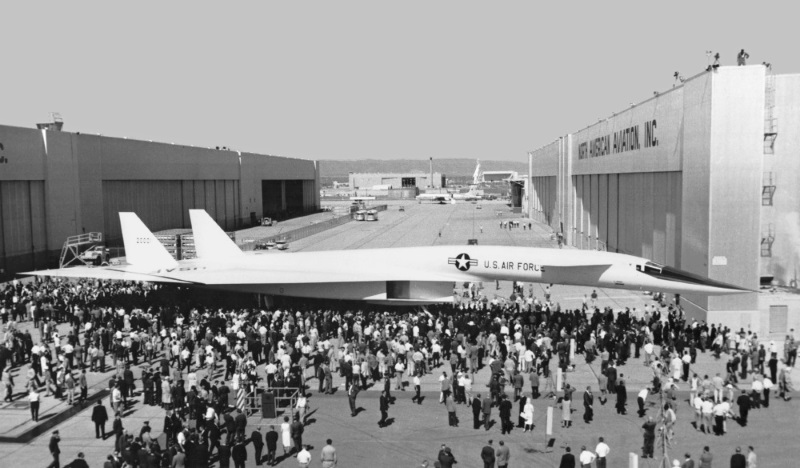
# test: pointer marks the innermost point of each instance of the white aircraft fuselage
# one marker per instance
(427, 274)
(409, 275)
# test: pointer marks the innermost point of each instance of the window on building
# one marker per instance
(409, 181)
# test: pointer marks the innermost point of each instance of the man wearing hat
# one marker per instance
(738, 459)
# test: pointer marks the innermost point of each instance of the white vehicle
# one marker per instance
(96, 255)
(281, 244)
(404, 276)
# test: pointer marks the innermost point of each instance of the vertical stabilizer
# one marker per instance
(210, 241)
(142, 249)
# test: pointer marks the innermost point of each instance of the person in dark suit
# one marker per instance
(567, 460)
(744, 407)
(54, 450)
(505, 415)
(214, 435)
(99, 417)
(239, 453)
(224, 453)
(738, 459)
(118, 432)
(622, 396)
(80, 462)
(588, 405)
(258, 444)
(384, 408)
(296, 431)
(230, 427)
(241, 423)
(487, 455)
(486, 406)
(477, 405)
(272, 444)
(201, 456)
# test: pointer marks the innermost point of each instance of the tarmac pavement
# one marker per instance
(417, 431)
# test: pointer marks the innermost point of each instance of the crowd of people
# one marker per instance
(175, 341)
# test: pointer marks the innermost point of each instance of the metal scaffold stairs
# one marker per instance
(75, 246)
(770, 121)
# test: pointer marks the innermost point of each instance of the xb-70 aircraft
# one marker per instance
(410, 275)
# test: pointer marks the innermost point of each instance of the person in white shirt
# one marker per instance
(602, 450)
(642, 399)
(721, 411)
(304, 457)
(648, 353)
(767, 387)
(708, 411)
(586, 457)
(417, 397)
(697, 404)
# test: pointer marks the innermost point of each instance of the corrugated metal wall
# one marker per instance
(634, 213)
(165, 204)
(23, 241)
(544, 200)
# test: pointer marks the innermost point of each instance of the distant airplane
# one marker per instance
(442, 198)
(469, 196)
(362, 199)
(410, 275)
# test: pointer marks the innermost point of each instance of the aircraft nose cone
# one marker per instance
(674, 274)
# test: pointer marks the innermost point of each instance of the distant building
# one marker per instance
(396, 181)
(498, 176)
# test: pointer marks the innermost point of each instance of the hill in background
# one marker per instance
(339, 169)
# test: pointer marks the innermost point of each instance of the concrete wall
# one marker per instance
(737, 128)
(57, 184)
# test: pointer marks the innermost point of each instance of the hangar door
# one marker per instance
(287, 198)
(294, 197)
(272, 198)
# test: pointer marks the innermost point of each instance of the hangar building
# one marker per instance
(415, 179)
(701, 177)
(57, 184)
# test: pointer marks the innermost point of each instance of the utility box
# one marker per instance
(268, 405)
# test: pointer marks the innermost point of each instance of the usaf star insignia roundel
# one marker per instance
(462, 262)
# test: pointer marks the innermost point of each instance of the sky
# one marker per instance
(364, 79)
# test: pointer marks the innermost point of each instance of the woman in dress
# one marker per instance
(527, 415)
(286, 436)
